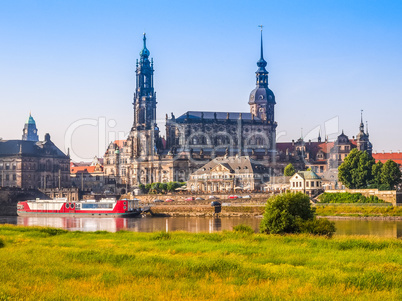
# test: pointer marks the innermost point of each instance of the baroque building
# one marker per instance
(192, 139)
(323, 157)
(29, 163)
(226, 174)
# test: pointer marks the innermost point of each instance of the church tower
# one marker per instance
(144, 133)
(262, 99)
(362, 138)
(30, 132)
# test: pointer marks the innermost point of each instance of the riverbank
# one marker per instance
(256, 209)
(185, 266)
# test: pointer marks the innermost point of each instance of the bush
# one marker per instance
(284, 213)
(162, 235)
(320, 226)
(346, 197)
(1, 243)
(243, 229)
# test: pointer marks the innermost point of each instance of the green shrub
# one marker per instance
(53, 231)
(284, 212)
(1, 243)
(320, 226)
(243, 229)
(346, 197)
(162, 235)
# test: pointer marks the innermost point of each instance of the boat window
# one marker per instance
(96, 205)
(67, 206)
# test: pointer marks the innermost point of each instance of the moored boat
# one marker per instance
(62, 207)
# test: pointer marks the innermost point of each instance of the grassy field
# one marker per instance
(342, 210)
(50, 264)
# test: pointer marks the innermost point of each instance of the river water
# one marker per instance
(383, 228)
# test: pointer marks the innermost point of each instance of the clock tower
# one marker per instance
(30, 132)
(262, 99)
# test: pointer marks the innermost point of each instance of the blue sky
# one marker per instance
(71, 61)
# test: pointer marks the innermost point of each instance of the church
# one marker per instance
(195, 137)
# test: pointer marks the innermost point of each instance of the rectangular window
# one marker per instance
(318, 184)
(14, 177)
(312, 183)
(307, 184)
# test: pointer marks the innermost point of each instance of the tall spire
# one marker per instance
(144, 52)
(361, 122)
(261, 62)
(262, 73)
(262, 51)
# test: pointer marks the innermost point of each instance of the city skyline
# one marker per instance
(67, 65)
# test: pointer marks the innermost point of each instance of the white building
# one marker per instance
(307, 182)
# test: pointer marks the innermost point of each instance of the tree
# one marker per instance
(390, 174)
(285, 212)
(376, 173)
(289, 170)
(356, 169)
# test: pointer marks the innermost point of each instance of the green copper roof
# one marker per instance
(308, 175)
(30, 119)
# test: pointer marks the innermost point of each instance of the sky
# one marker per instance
(72, 65)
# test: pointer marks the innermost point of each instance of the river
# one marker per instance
(383, 228)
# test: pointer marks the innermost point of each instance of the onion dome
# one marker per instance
(145, 52)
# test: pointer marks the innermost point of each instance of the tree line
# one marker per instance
(359, 170)
(157, 187)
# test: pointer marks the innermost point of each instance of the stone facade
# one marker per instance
(229, 174)
(31, 164)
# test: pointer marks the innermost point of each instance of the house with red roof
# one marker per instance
(88, 176)
(384, 157)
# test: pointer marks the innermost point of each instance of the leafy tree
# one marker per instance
(390, 174)
(289, 170)
(376, 173)
(142, 188)
(148, 187)
(285, 212)
(171, 186)
(356, 169)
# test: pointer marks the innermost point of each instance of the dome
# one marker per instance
(144, 52)
(262, 95)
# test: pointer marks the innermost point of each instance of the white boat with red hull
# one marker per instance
(93, 208)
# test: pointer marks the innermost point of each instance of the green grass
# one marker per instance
(339, 210)
(50, 264)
